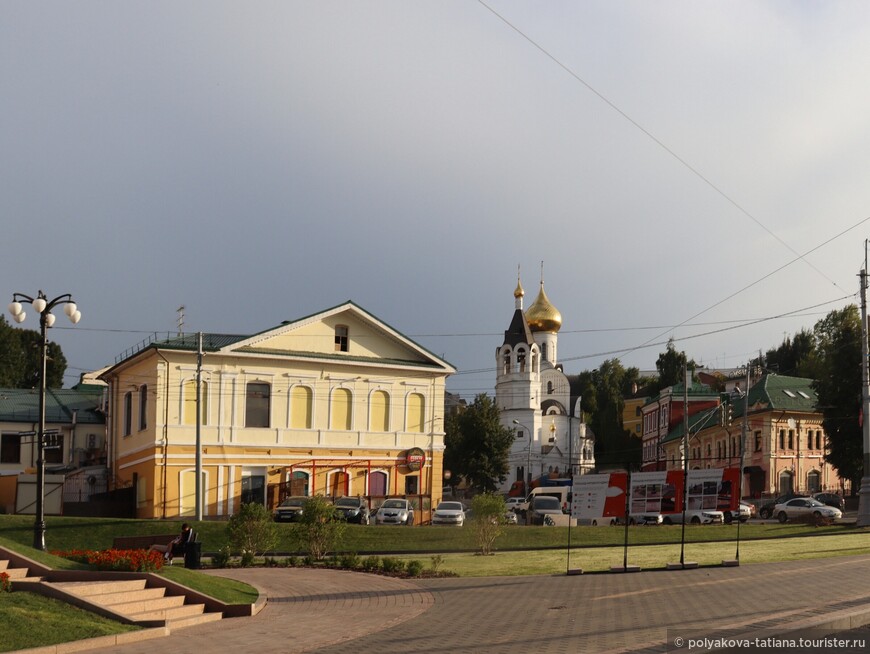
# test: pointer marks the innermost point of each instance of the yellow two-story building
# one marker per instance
(336, 403)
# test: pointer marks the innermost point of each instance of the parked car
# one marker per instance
(542, 506)
(743, 513)
(449, 513)
(516, 504)
(599, 521)
(831, 499)
(643, 519)
(766, 509)
(352, 509)
(696, 517)
(804, 507)
(289, 510)
(395, 512)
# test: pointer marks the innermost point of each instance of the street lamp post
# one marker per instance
(43, 307)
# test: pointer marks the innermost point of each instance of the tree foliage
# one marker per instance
(20, 359)
(487, 516)
(796, 356)
(318, 531)
(670, 366)
(604, 391)
(838, 386)
(252, 530)
(477, 445)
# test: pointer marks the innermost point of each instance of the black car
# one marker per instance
(290, 510)
(352, 509)
(766, 510)
(831, 499)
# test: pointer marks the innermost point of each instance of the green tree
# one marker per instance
(318, 532)
(20, 359)
(252, 530)
(477, 445)
(796, 356)
(604, 392)
(838, 386)
(487, 516)
(670, 366)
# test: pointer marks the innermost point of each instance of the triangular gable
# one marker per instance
(370, 340)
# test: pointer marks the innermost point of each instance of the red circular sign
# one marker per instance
(415, 458)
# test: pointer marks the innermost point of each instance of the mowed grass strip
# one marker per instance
(650, 557)
(31, 620)
(97, 533)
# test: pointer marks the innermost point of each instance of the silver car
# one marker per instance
(449, 513)
(803, 507)
(395, 512)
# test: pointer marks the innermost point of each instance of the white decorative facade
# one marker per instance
(538, 401)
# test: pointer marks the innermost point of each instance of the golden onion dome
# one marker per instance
(542, 316)
(519, 292)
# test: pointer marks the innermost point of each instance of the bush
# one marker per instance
(247, 559)
(436, 560)
(488, 519)
(318, 533)
(392, 565)
(221, 558)
(350, 561)
(292, 561)
(5, 583)
(252, 530)
(371, 563)
(414, 568)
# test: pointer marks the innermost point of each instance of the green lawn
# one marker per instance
(97, 533)
(650, 557)
(57, 622)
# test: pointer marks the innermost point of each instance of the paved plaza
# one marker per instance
(330, 611)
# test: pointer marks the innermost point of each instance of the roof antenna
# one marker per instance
(542, 274)
(180, 311)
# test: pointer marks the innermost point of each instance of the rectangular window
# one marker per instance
(54, 448)
(758, 441)
(782, 439)
(412, 484)
(143, 407)
(341, 340)
(257, 405)
(791, 439)
(10, 448)
(128, 413)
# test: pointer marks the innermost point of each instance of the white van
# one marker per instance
(563, 493)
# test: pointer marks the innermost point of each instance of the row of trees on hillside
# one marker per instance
(20, 360)
(477, 445)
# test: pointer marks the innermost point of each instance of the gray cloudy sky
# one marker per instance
(261, 161)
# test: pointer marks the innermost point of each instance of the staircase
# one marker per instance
(16, 574)
(141, 605)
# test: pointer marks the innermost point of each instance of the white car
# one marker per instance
(743, 512)
(803, 507)
(395, 512)
(516, 504)
(642, 519)
(696, 517)
(449, 513)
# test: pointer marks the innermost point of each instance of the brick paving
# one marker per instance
(328, 611)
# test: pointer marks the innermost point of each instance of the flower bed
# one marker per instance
(119, 560)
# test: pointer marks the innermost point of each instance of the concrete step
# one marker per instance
(4, 563)
(123, 596)
(194, 620)
(87, 588)
(143, 605)
(16, 573)
(173, 613)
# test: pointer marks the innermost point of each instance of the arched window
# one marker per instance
(506, 363)
(416, 409)
(378, 484)
(521, 360)
(300, 407)
(814, 481)
(143, 407)
(257, 404)
(299, 483)
(188, 394)
(785, 485)
(340, 411)
(338, 484)
(549, 388)
(380, 411)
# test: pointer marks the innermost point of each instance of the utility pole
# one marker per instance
(864, 494)
(199, 427)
